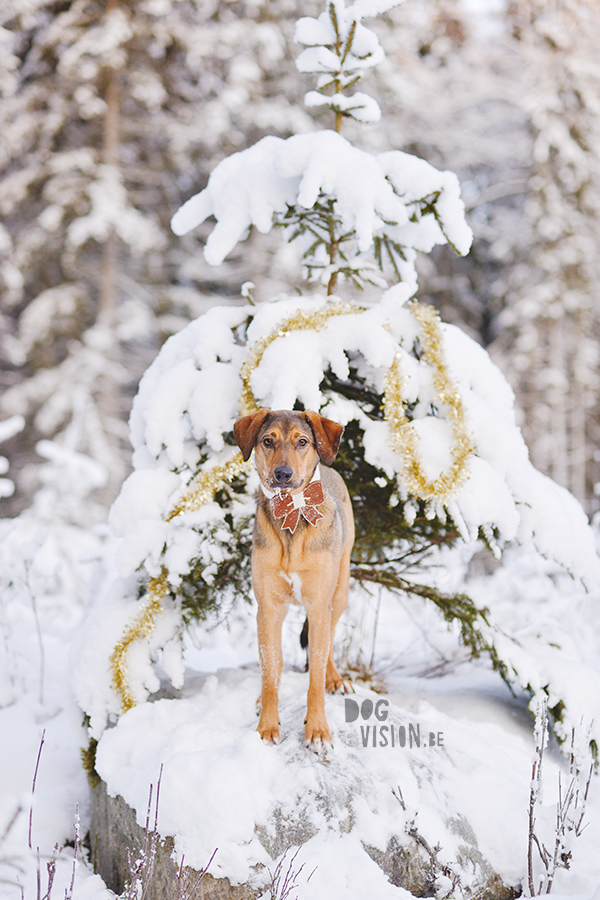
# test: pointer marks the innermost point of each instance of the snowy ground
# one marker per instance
(482, 772)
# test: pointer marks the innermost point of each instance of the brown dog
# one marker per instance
(303, 535)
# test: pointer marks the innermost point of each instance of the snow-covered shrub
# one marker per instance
(433, 452)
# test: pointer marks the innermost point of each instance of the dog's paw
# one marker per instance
(269, 733)
(318, 738)
(339, 685)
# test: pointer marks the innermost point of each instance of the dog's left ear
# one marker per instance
(328, 435)
(246, 429)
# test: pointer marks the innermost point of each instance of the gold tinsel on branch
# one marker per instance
(201, 490)
(206, 484)
(141, 627)
(302, 320)
(404, 438)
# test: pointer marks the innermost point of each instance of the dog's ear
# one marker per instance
(327, 434)
(246, 429)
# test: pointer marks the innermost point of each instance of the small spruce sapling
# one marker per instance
(375, 365)
(363, 236)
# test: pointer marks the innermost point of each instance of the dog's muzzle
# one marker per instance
(282, 475)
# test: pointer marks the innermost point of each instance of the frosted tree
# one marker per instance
(553, 332)
(64, 205)
(432, 453)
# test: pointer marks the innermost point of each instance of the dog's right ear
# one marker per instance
(246, 429)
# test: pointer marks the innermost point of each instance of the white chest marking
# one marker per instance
(295, 582)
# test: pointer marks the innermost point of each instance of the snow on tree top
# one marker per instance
(321, 32)
(340, 49)
(375, 195)
(362, 107)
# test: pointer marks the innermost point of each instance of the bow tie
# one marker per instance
(290, 506)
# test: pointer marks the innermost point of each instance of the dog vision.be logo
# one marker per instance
(388, 735)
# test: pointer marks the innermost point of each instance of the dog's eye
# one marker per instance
(268, 442)
(302, 442)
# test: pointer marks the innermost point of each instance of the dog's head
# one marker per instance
(287, 445)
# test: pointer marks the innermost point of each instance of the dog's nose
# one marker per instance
(283, 474)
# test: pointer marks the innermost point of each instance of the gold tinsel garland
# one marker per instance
(301, 320)
(141, 627)
(404, 440)
(403, 436)
(206, 484)
(202, 489)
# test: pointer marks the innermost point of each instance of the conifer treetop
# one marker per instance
(340, 48)
(356, 215)
(393, 197)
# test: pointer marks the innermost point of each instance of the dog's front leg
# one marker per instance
(317, 731)
(272, 608)
(318, 585)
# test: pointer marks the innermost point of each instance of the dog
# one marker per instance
(303, 537)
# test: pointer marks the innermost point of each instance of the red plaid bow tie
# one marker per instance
(283, 504)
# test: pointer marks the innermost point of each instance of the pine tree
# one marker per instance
(432, 451)
(334, 252)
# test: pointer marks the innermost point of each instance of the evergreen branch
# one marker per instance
(390, 247)
(335, 83)
(457, 607)
(351, 34)
(428, 207)
(377, 252)
(336, 28)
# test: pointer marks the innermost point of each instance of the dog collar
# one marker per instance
(289, 507)
(270, 494)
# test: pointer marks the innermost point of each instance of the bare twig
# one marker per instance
(570, 811)
(397, 792)
(541, 728)
(141, 868)
(436, 867)
(51, 869)
(186, 890)
(282, 884)
(35, 774)
(76, 846)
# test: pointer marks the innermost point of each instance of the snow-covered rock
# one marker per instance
(399, 781)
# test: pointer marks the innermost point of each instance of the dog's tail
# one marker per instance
(304, 635)
(304, 641)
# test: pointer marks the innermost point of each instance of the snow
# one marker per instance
(213, 760)
(8, 429)
(363, 107)
(256, 185)
(340, 49)
(47, 569)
